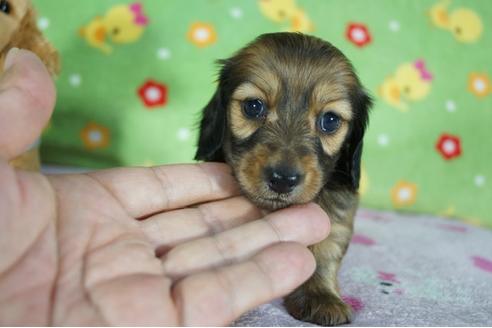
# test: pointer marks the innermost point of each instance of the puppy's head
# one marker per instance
(288, 115)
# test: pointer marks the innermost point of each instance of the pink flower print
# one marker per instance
(362, 240)
(453, 227)
(482, 263)
(386, 276)
(354, 302)
(388, 283)
(399, 291)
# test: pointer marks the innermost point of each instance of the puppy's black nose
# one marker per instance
(282, 179)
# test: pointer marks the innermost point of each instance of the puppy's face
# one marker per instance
(288, 116)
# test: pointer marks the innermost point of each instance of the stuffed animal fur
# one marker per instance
(18, 29)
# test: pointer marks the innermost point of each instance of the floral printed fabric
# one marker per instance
(407, 270)
(136, 75)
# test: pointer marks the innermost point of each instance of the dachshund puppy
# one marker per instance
(288, 116)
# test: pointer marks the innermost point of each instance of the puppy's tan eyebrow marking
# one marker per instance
(323, 102)
(248, 90)
(266, 81)
(341, 107)
(242, 127)
(332, 143)
(328, 92)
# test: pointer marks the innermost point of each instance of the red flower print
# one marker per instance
(449, 146)
(358, 34)
(153, 94)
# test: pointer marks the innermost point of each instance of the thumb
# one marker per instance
(27, 99)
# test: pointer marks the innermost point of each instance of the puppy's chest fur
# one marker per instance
(340, 205)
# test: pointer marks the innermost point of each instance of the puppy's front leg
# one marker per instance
(318, 300)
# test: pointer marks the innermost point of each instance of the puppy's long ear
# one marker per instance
(361, 103)
(212, 130)
(355, 165)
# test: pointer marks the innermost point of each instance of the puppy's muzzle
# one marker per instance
(282, 179)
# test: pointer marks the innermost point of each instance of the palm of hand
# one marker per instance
(110, 273)
(89, 258)
(96, 262)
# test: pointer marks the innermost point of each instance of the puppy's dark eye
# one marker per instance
(253, 108)
(329, 122)
(4, 6)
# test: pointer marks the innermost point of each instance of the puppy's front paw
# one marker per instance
(323, 310)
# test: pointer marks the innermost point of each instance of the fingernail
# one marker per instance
(9, 60)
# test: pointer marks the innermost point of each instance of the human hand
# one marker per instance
(171, 245)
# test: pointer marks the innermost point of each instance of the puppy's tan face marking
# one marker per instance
(289, 111)
(329, 94)
(296, 94)
(251, 176)
(332, 142)
(276, 151)
(241, 126)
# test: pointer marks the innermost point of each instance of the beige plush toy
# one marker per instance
(18, 29)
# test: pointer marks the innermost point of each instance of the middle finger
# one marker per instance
(306, 224)
(166, 230)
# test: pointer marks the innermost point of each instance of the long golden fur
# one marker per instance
(19, 26)
(288, 116)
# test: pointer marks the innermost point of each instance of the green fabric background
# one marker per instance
(400, 146)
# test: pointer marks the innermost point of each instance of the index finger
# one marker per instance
(145, 191)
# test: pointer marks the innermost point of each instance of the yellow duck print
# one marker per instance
(410, 83)
(121, 24)
(465, 24)
(281, 11)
